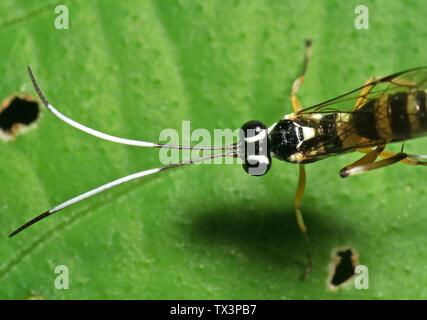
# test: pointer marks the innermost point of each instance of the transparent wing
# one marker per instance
(334, 110)
(332, 145)
(350, 101)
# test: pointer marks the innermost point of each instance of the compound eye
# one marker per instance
(253, 126)
(253, 148)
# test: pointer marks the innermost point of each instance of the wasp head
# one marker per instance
(253, 148)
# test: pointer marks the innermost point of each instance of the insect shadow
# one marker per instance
(267, 235)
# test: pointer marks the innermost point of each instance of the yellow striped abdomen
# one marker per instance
(394, 117)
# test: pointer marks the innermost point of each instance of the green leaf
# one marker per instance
(134, 68)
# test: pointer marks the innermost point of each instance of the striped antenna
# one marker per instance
(104, 136)
(112, 184)
(232, 152)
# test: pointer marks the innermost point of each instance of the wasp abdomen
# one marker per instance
(408, 116)
(393, 117)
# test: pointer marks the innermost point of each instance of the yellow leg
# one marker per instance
(361, 100)
(298, 82)
(372, 165)
(411, 160)
(404, 83)
(302, 178)
(369, 157)
(300, 220)
(370, 83)
(367, 162)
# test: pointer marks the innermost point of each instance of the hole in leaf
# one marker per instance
(17, 112)
(343, 265)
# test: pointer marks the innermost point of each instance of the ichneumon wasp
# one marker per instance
(384, 110)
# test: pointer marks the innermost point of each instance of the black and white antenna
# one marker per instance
(229, 151)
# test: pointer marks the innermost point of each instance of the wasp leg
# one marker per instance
(404, 83)
(302, 178)
(412, 159)
(369, 157)
(417, 158)
(298, 82)
(368, 85)
(300, 220)
(371, 82)
(353, 170)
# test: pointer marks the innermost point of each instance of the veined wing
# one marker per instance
(346, 121)
(401, 81)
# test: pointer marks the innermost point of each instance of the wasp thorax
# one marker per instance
(253, 148)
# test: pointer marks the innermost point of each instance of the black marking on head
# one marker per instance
(400, 124)
(421, 99)
(254, 152)
(364, 121)
(283, 139)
